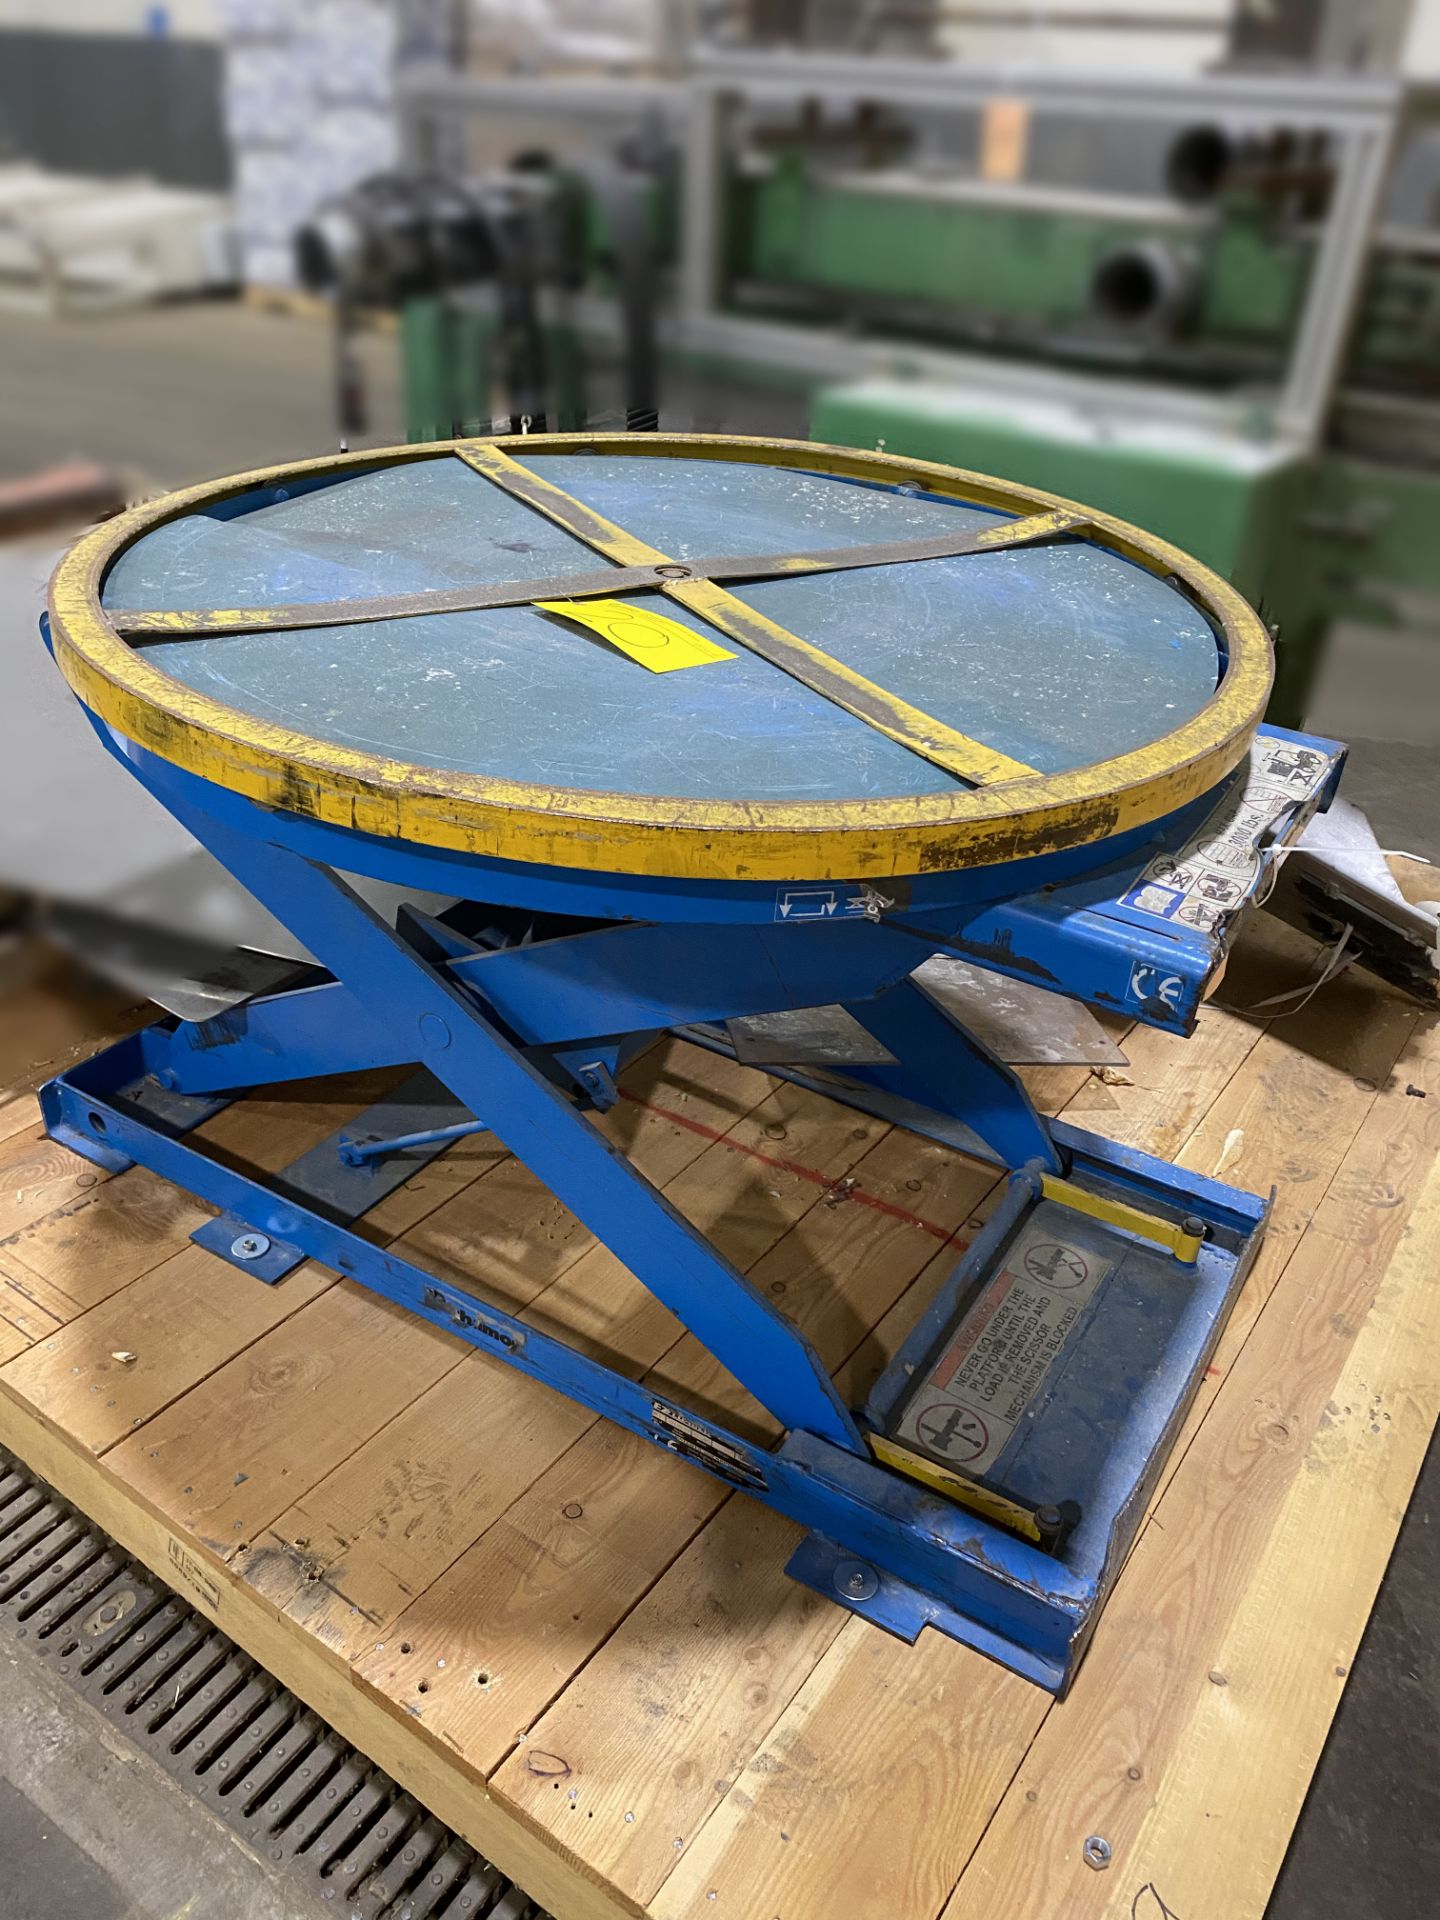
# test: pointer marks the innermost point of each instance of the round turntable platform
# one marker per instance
(900, 669)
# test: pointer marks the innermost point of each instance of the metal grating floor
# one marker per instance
(232, 1736)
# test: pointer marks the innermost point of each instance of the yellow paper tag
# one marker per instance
(657, 643)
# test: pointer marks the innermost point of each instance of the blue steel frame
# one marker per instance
(528, 1036)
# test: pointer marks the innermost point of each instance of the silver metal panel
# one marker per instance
(808, 1037)
(1024, 1024)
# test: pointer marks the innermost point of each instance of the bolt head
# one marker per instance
(249, 1246)
(854, 1580)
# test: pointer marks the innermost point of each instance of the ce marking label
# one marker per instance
(1151, 983)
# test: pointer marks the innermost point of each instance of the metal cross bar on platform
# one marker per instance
(201, 622)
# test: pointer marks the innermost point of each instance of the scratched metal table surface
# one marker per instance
(1057, 655)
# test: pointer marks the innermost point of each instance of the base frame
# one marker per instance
(924, 1559)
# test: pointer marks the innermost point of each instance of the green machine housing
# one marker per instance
(1241, 506)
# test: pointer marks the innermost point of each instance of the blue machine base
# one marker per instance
(328, 1180)
(921, 1559)
(887, 1601)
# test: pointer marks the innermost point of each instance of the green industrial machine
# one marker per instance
(1246, 506)
(1222, 341)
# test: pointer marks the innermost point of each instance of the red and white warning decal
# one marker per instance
(975, 1395)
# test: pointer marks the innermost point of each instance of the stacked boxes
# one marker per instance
(310, 109)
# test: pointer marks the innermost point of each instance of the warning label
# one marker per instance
(1214, 874)
(975, 1395)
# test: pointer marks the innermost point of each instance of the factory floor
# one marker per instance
(185, 392)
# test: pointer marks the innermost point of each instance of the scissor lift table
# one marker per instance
(693, 731)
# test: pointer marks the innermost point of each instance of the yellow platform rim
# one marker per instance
(679, 838)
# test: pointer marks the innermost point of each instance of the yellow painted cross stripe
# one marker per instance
(587, 525)
(956, 753)
(943, 746)
(1035, 526)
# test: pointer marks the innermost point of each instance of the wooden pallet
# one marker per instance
(584, 1656)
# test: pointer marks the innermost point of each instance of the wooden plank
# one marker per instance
(652, 1752)
(212, 1585)
(355, 1549)
(1286, 1121)
(180, 1317)
(19, 1112)
(426, 1192)
(848, 1262)
(92, 1246)
(865, 1799)
(1159, 1097)
(223, 1461)
(1252, 1746)
(654, 1732)
(1418, 880)
(37, 1177)
(597, 1304)
(675, 1090)
(12, 1341)
(273, 1126)
(139, 1220)
(23, 1302)
(515, 1616)
(835, 1272)
(40, 1180)
(510, 1238)
(804, 1764)
(504, 1239)
(210, 1582)
(1221, 1641)
(1280, 1081)
(51, 1015)
(183, 1319)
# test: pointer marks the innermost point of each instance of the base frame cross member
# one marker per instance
(995, 1479)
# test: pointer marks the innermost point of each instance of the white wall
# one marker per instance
(187, 19)
(1132, 45)
(1421, 57)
